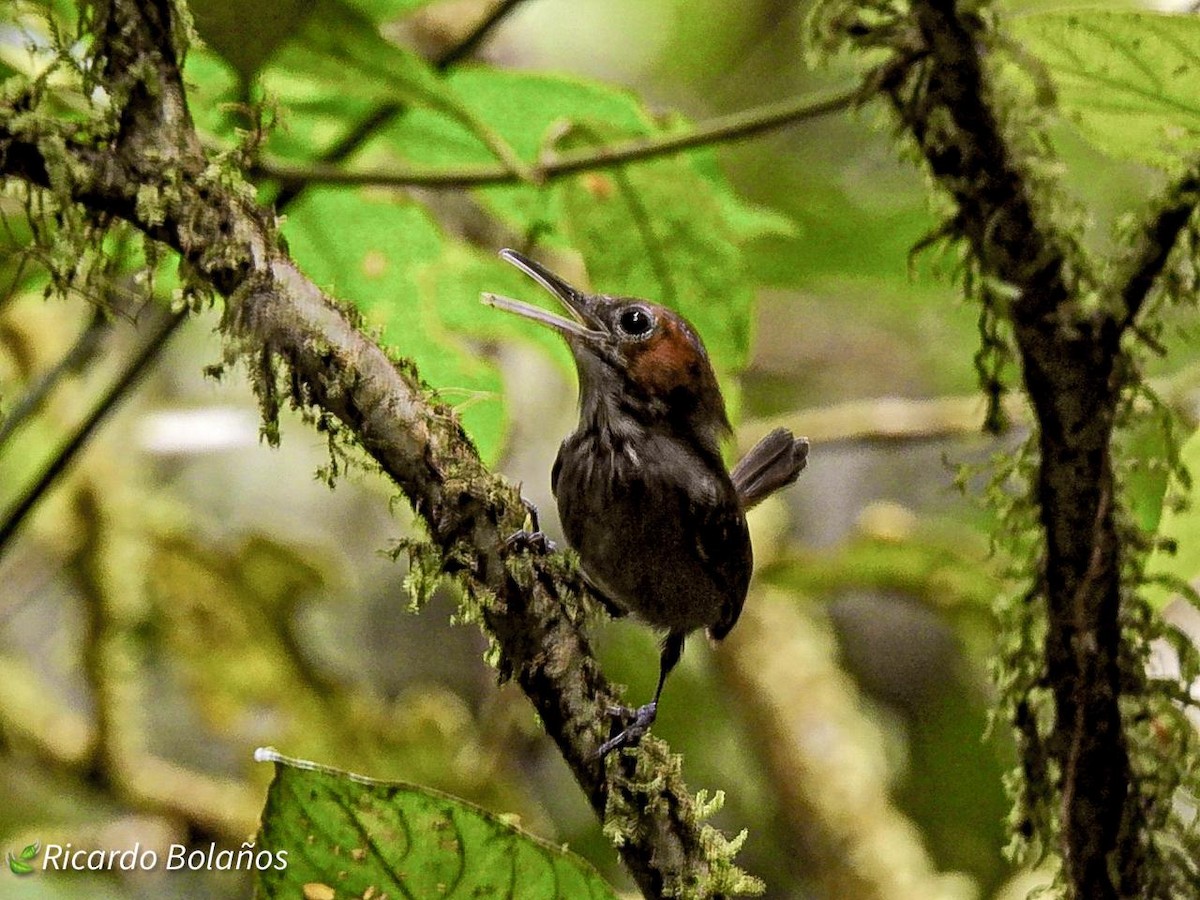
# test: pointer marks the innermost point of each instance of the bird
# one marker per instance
(643, 494)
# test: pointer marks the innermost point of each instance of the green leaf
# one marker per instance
(747, 220)
(1144, 446)
(213, 87)
(385, 255)
(356, 837)
(524, 108)
(31, 851)
(338, 67)
(1129, 80)
(1180, 528)
(345, 48)
(222, 25)
(458, 279)
(669, 230)
(519, 106)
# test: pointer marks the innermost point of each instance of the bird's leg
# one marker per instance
(642, 718)
(531, 536)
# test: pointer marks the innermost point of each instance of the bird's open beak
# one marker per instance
(584, 323)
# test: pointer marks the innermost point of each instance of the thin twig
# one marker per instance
(476, 36)
(1156, 241)
(724, 129)
(79, 354)
(129, 376)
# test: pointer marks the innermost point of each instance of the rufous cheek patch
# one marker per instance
(666, 361)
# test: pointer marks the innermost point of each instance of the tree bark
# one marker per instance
(1074, 371)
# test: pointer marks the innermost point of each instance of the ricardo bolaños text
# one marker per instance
(65, 858)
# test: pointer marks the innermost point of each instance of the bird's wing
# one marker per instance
(723, 546)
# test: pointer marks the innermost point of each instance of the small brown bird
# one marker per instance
(644, 497)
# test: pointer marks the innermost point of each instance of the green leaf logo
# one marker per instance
(20, 864)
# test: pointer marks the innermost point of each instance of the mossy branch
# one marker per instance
(528, 604)
(1027, 270)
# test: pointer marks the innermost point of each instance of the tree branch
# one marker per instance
(477, 35)
(528, 603)
(1146, 261)
(1070, 353)
(63, 457)
(851, 840)
(725, 129)
(77, 356)
(892, 422)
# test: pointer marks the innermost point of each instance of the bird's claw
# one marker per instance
(528, 540)
(639, 722)
(531, 537)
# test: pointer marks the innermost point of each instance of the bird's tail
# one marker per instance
(774, 462)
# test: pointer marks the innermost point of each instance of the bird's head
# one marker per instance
(635, 358)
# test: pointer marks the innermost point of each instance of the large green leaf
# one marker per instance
(522, 108)
(525, 109)
(669, 229)
(337, 67)
(1129, 80)
(222, 24)
(519, 106)
(376, 249)
(350, 836)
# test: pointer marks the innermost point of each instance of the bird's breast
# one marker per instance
(656, 528)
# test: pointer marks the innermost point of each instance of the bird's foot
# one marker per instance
(639, 721)
(536, 541)
(531, 537)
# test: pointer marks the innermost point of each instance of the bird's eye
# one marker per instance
(636, 321)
